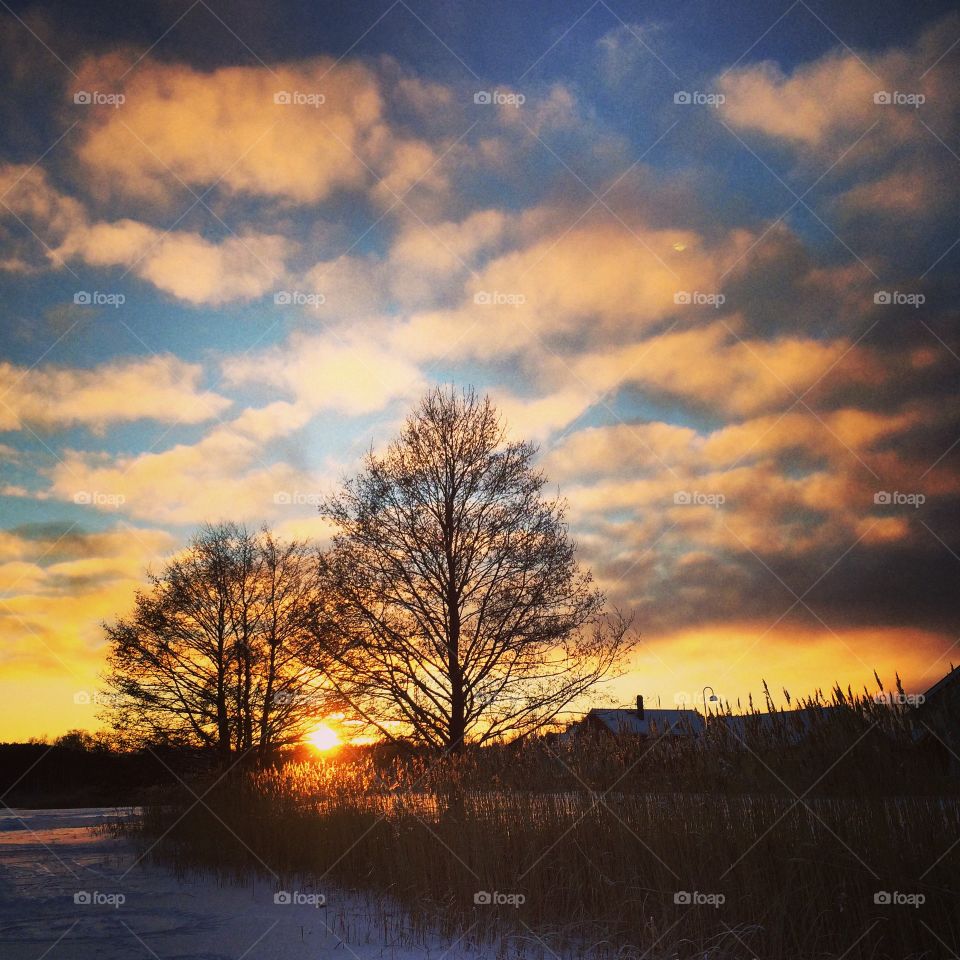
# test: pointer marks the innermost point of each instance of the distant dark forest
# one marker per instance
(36, 775)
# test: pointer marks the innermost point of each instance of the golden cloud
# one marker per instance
(297, 132)
(161, 387)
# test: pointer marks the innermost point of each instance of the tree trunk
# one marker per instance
(458, 708)
(223, 716)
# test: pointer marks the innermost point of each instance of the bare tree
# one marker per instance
(459, 611)
(213, 653)
(292, 691)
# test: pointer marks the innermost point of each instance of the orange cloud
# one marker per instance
(161, 388)
(223, 476)
(818, 99)
(781, 485)
(846, 92)
(327, 373)
(870, 112)
(186, 265)
(230, 472)
(741, 376)
(52, 601)
(547, 290)
(297, 132)
(51, 606)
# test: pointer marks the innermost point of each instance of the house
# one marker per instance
(945, 692)
(937, 718)
(789, 726)
(793, 725)
(640, 722)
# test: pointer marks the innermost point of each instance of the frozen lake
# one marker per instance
(70, 891)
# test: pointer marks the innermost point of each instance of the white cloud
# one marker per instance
(162, 388)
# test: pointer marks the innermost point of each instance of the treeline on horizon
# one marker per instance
(888, 748)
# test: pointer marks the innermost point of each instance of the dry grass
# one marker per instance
(599, 836)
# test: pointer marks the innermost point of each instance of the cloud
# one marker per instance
(847, 91)
(425, 264)
(329, 374)
(868, 122)
(546, 291)
(537, 417)
(738, 521)
(737, 376)
(627, 48)
(186, 265)
(162, 388)
(28, 193)
(819, 100)
(233, 472)
(225, 475)
(183, 263)
(427, 261)
(59, 582)
(352, 287)
(33, 213)
(328, 132)
(919, 190)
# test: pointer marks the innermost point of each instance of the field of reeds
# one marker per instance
(756, 843)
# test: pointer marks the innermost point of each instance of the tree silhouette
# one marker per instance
(213, 653)
(458, 609)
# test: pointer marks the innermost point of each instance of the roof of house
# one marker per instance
(942, 683)
(794, 724)
(654, 722)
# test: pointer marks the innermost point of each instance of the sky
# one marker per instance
(703, 254)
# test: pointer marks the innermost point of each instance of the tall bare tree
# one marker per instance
(459, 609)
(214, 651)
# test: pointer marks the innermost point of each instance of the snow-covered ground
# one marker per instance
(71, 891)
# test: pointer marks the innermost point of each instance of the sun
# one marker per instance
(323, 737)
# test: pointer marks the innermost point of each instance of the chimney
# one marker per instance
(640, 707)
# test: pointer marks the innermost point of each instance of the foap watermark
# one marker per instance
(695, 898)
(699, 299)
(97, 298)
(94, 898)
(297, 898)
(298, 298)
(894, 898)
(899, 298)
(682, 698)
(897, 98)
(497, 98)
(683, 498)
(285, 498)
(699, 98)
(898, 699)
(97, 498)
(895, 498)
(488, 898)
(87, 698)
(97, 98)
(298, 98)
(496, 298)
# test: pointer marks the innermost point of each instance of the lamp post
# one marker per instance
(713, 699)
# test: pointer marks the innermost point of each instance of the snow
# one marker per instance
(51, 861)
